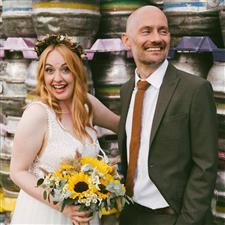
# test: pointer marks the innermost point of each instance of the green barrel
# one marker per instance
(114, 16)
(77, 18)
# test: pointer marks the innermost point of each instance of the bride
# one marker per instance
(55, 125)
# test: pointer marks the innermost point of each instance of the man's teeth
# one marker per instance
(153, 49)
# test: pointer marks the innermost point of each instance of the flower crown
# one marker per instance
(54, 39)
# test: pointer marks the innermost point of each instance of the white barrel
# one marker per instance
(216, 74)
(194, 63)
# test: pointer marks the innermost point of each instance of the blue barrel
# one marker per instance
(193, 18)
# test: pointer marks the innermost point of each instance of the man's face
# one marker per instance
(148, 37)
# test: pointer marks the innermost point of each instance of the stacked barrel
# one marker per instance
(114, 14)
(77, 18)
(194, 55)
(12, 99)
(193, 18)
(86, 21)
(17, 18)
(217, 78)
(16, 22)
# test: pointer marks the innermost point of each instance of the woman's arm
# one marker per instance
(28, 140)
(102, 116)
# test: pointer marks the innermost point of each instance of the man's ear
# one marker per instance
(125, 40)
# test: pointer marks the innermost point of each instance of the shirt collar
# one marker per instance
(156, 77)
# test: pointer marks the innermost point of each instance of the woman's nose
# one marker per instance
(57, 75)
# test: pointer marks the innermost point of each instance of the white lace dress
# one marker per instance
(60, 144)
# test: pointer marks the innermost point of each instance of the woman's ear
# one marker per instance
(125, 40)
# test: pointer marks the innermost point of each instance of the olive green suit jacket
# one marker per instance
(182, 160)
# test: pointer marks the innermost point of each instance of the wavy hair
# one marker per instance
(81, 106)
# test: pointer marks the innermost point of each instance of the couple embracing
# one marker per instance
(166, 131)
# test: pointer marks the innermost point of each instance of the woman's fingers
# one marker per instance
(81, 219)
(75, 222)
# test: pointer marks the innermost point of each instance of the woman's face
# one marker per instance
(58, 78)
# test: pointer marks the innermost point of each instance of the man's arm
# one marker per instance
(203, 139)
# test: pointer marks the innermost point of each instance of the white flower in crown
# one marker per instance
(61, 37)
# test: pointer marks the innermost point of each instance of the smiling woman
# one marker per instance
(58, 123)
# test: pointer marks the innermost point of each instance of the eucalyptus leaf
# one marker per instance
(40, 182)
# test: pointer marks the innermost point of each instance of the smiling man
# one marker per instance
(168, 133)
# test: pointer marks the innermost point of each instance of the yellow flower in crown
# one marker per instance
(101, 166)
(79, 185)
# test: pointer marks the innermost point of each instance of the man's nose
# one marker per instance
(155, 36)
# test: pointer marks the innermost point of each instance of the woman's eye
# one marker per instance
(49, 70)
(65, 69)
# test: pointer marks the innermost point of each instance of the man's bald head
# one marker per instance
(135, 15)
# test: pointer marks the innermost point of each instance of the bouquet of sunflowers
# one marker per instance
(86, 181)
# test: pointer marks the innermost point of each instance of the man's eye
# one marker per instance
(163, 31)
(145, 32)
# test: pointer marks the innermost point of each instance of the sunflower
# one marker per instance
(103, 193)
(65, 171)
(79, 185)
(101, 166)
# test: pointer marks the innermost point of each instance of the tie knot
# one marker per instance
(142, 85)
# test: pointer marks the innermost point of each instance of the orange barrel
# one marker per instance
(114, 16)
(17, 19)
(76, 18)
(110, 70)
(193, 18)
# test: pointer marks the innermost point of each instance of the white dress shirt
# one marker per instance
(145, 192)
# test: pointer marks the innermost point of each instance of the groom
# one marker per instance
(168, 135)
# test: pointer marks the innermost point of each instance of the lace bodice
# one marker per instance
(61, 145)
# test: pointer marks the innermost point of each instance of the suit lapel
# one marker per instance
(127, 93)
(167, 89)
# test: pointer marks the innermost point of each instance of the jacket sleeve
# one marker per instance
(203, 138)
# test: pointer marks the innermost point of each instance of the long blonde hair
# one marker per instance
(81, 106)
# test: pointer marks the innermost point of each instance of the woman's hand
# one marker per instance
(77, 217)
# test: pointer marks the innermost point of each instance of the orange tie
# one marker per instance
(135, 136)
